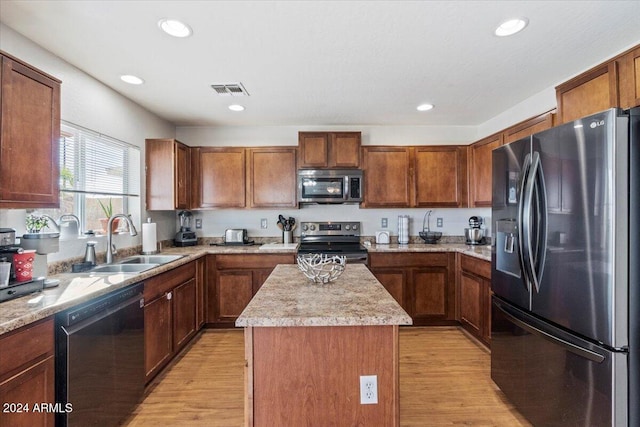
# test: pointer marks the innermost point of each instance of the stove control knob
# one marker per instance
(312, 227)
(347, 227)
(305, 228)
(355, 227)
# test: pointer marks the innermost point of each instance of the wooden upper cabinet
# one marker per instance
(629, 69)
(168, 174)
(29, 136)
(220, 179)
(272, 177)
(440, 176)
(529, 127)
(593, 91)
(387, 176)
(318, 150)
(480, 171)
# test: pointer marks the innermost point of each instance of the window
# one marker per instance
(97, 174)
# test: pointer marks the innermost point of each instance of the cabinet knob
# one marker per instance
(169, 295)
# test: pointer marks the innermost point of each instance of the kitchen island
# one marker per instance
(307, 345)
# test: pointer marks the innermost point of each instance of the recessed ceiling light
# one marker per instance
(174, 28)
(236, 107)
(510, 27)
(132, 80)
(424, 107)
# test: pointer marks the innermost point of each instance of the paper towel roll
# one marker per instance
(149, 238)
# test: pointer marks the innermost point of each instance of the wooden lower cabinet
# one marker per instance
(170, 315)
(475, 297)
(423, 284)
(236, 279)
(27, 375)
(184, 313)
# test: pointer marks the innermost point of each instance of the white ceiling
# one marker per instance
(327, 62)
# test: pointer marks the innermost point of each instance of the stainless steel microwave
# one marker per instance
(330, 185)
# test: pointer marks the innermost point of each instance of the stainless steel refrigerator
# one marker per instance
(565, 344)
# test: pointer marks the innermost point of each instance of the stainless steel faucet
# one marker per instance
(111, 248)
(51, 222)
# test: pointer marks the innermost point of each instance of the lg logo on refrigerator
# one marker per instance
(596, 123)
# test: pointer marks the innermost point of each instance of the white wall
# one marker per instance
(89, 103)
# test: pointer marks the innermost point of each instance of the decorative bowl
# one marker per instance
(430, 237)
(321, 268)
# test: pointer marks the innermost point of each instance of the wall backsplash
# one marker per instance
(215, 222)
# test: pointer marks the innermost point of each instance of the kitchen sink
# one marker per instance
(150, 259)
(122, 268)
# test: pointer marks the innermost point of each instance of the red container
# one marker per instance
(23, 264)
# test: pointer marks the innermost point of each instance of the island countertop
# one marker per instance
(356, 298)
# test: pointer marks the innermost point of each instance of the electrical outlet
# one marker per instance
(439, 222)
(263, 223)
(198, 223)
(384, 223)
(368, 389)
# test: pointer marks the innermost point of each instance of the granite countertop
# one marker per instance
(483, 252)
(77, 288)
(356, 298)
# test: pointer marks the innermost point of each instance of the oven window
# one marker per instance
(322, 187)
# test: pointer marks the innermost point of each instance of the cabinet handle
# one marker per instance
(169, 295)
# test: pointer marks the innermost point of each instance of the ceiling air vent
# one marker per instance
(230, 89)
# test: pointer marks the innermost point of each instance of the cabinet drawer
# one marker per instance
(164, 282)
(405, 259)
(25, 345)
(476, 266)
(252, 261)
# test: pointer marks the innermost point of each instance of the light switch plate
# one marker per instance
(263, 223)
(198, 223)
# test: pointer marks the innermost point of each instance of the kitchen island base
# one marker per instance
(311, 375)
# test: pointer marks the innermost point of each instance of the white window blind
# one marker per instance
(97, 164)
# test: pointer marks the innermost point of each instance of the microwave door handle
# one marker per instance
(345, 188)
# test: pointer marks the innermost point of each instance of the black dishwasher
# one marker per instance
(100, 359)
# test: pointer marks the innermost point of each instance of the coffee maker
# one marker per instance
(8, 252)
(185, 237)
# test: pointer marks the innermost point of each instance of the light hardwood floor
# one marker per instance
(444, 381)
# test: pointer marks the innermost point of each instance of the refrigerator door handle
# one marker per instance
(523, 252)
(540, 249)
(577, 350)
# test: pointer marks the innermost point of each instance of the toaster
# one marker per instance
(236, 236)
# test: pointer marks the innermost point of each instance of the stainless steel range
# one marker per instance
(333, 238)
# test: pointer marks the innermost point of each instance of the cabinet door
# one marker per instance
(34, 385)
(471, 303)
(158, 342)
(630, 79)
(221, 180)
(429, 294)
(201, 292)
(29, 137)
(387, 176)
(480, 171)
(590, 92)
(394, 281)
(182, 185)
(184, 313)
(313, 150)
(344, 150)
(168, 174)
(529, 127)
(272, 177)
(440, 176)
(234, 291)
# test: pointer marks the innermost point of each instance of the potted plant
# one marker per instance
(35, 238)
(108, 212)
(35, 223)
